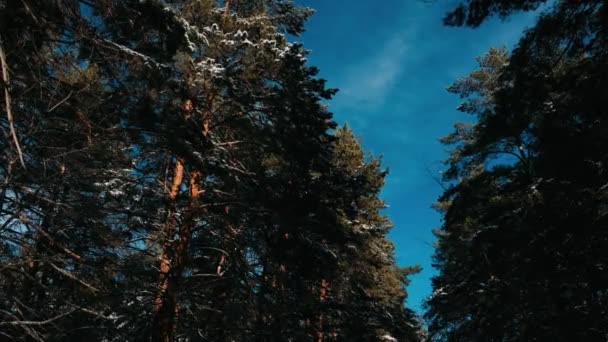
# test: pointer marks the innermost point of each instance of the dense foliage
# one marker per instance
(169, 172)
(522, 251)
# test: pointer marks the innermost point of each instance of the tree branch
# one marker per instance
(7, 100)
(73, 277)
(48, 321)
(23, 219)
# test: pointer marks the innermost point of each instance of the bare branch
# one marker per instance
(23, 219)
(48, 321)
(73, 277)
(61, 102)
(7, 100)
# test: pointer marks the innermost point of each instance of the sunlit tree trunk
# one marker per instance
(322, 299)
(165, 306)
(174, 257)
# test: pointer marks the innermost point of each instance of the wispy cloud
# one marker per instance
(368, 82)
(392, 69)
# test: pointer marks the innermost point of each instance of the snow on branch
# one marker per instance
(128, 51)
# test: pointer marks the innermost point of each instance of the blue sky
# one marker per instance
(392, 61)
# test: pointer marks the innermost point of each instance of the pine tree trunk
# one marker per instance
(322, 299)
(164, 310)
(227, 9)
(171, 269)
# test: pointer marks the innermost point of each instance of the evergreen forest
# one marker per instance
(171, 170)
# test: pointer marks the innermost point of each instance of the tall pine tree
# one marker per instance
(169, 172)
(521, 251)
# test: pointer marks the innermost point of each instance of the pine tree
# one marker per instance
(367, 290)
(58, 240)
(521, 248)
(169, 173)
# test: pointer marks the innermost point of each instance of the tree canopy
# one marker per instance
(522, 248)
(170, 172)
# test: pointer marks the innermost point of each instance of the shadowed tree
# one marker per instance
(168, 172)
(521, 248)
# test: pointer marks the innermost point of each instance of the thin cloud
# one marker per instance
(368, 83)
